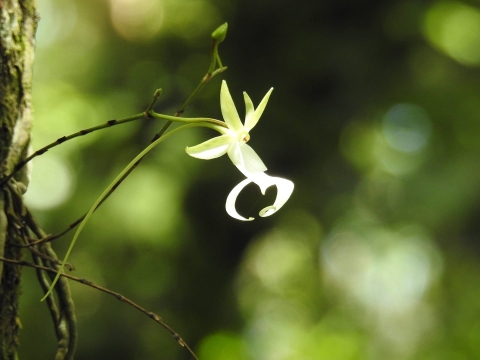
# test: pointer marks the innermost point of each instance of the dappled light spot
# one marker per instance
(454, 28)
(395, 162)
(406, 127)
(276, 330)
(396, 146)
(384, 275)
(275, 286)
(325, 342)
(60, 110)
(137, 20)
(374, 261)
(277, 262)
(51, 183)
(58, 19)
(146, 206)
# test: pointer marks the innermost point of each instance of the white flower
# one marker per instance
(233, 142)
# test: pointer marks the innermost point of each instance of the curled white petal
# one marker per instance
(211, 148)
(284, 191)
(232, 198)
(229, 111)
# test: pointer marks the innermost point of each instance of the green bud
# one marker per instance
(220, 33)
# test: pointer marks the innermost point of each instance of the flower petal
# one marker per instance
(249, 109)
(212, 148)
(251, 121)
(229, 111)
(284, 191)
(246, 159)
(235, 154)
(252, 161)
(232, 198)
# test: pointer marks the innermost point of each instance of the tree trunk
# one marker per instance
(18, 23)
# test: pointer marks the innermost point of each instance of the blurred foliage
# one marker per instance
(375, 117)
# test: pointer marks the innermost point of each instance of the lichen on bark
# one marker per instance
(18, 23)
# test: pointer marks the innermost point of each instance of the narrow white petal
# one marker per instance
(252, 120)
(249, 109)
(251, 160)
(235, 154)
(229, 111)
(246, 159)
(232, 198)
(211, 148)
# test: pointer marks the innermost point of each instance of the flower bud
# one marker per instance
(220, 33)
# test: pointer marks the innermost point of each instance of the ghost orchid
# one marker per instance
(232, 141)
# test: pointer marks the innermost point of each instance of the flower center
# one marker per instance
(245, 137)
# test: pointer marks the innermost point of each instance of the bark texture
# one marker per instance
(18, 23)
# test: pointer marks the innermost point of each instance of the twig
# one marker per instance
(61, 140)
(66, 305)
(49, 238)
(52, 306)
(63, 317)
(118, 296)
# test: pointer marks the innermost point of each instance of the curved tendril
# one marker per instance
(106, 192)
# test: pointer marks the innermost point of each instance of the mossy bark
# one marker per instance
(18, 23)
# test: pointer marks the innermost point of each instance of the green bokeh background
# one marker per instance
(375, 117)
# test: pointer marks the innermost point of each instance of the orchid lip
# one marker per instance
(284, 191)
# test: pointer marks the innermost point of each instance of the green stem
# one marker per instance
(208, 76)
(211, 73)
(187, 120)
(156, 95)
(111, 186)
